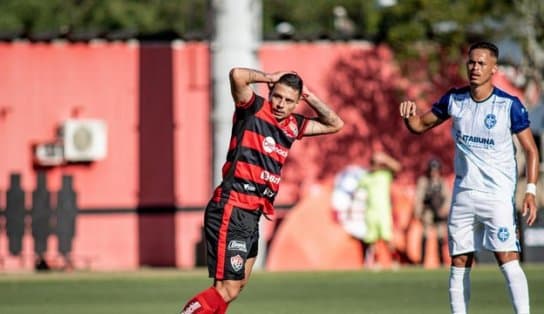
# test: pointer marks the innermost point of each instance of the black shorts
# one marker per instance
(232, 236)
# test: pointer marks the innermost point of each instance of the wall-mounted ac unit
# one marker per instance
(84, 139)
(48, 154)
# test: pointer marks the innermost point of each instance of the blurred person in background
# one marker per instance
(482, 215)
(431, 205)
(262, 134)
(378, 214)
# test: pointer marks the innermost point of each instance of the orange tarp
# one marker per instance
(309, 238)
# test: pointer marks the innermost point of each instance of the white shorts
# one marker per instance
(481, 220)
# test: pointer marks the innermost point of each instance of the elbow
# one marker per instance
(338, 125)
(234, 74)
(413, 129)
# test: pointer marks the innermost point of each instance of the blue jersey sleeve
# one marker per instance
(440, 108)
(519, 117)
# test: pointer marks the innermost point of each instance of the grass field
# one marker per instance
(406, 291)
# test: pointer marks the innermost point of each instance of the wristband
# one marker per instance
(531, 188)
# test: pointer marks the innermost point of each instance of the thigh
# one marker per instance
(231, 234)
(249, 267)
(464, 233)
(386, 226)
(499, 220)
(372, 232)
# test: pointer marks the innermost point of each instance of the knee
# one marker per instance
(243, 283)
(505, 257)
(464, 260)
(229, 290)
(233, 292)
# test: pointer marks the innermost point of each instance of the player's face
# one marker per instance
(284, 99)
(481, 65)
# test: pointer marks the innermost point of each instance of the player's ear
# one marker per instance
(270, 89)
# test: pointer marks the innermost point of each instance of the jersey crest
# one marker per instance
(490, 121)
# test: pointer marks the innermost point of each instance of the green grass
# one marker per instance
(406, 291)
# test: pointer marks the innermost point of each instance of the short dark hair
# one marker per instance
(485, 45)
(292, 80)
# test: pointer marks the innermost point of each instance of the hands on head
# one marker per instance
(274, 77)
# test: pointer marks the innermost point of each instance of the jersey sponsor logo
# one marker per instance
(269, 146)
(503, 234)
(237, 262)
(249, 187)
(268, 177)
(192, 308)
(477, 141)
(490, 121)
(236, 245)
(268, 192)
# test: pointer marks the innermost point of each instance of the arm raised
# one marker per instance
(242, 78)
(417, 123)
(327, 121)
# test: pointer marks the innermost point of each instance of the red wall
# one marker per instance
(152, 162)
(141, 204)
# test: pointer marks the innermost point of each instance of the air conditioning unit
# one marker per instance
(84, 140)
(48, 154)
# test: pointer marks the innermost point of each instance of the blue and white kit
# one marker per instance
(483, 211)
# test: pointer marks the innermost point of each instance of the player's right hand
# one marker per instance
(407, 109)
(277, 75)
(529, 209)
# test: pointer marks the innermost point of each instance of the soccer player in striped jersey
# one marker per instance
(482, 213)
(263, 132)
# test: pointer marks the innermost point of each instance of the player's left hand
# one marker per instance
(306, 92)
(529, 208)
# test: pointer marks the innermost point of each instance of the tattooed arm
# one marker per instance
(327, 121)
(242, 78)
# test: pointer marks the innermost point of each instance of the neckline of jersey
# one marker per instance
(487, 98)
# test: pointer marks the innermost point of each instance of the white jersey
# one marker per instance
(482, 131)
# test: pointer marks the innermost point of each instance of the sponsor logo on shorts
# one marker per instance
(191, 308)
(503, 234)
(269, 146)
(237, 262)
(236, 245)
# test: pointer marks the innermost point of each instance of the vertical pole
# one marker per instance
(236, 39)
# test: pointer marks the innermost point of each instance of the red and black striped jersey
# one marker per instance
(258, 149)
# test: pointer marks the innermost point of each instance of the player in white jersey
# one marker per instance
(482, 213)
